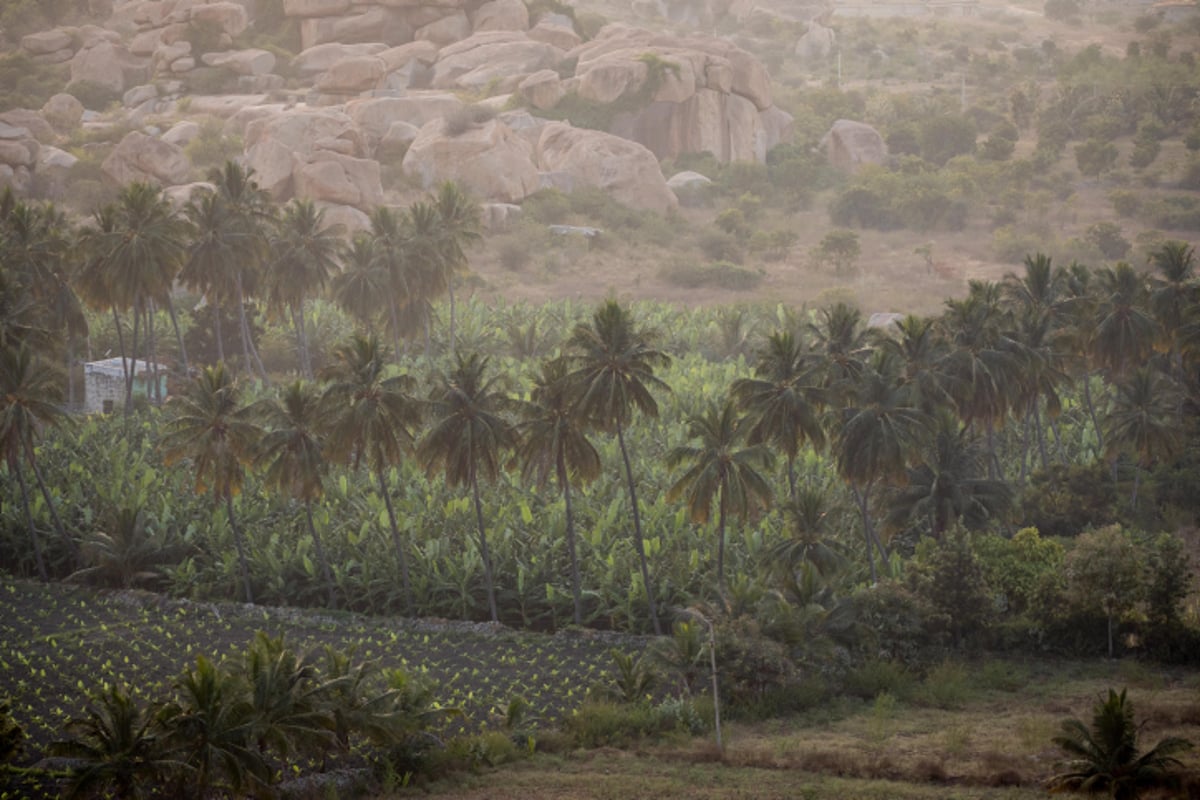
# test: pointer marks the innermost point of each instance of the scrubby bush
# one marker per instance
(1125, 202)
(719, 274)
(1106, 237)
(1066, 500)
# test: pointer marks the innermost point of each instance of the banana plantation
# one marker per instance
(349, 428)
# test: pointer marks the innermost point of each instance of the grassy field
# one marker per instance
(969, 729)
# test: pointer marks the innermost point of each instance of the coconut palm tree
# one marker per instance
(949, 482)
(720, 466)
(371, 416)
(1124, 331)
(613, 361)
(115, 747)
(29, 402)
(876, 435)
(211, 428)
(807, 515)
(393, 256)
(209, 723)
(917, 345)
(841, 345)
(284, 698)
(1174, 288)
(468, 437)
(142, 254)
(303, 261)
(458, 227)
(553, 441)
(1107, 758)
(254, 212)
(217, 243)
(421, 274)
(1144, 420)
(362, 289)
(290, 454)
(782, 399)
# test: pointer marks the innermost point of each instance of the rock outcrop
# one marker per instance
(849, 145)
(490, 159)
(144, 158)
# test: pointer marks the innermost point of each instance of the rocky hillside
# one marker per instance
(350, 103)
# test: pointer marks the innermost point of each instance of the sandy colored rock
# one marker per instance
(139, 157)
(53, 171)
(139, 94)
(445, 31)
(491, 160)
(374, 115)
(110, 66)
(397, 140)
(352, 75)
(179, 196)
(319, 58)
(182, 133)
(561, 36)
(398, 57)
(63, 112)
(272, 163)
(622, 168)
(375, 24)
(337, 178)
(242, 62)
(817, 44)
(236, 124)
(346, 220)
(45, 42)
(501, 15)
(299, 128)
(849, 145)
(18, 152)
(542, 89)
(33, 122)
(232, 17)
(497, 59)
(315, 8)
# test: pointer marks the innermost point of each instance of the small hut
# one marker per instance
(104, 383)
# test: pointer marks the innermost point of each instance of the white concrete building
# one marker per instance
(104, 383)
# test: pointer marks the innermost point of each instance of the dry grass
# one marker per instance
(997, 745)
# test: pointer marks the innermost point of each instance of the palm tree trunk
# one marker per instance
(394, 316)
(791, 474)
(1025, 447)
(59, 528)
(178, 335)
(131, 372)
(1058, 441)
(71, 371)
(483, 550)
(220, 336)
(1137, 477)
(401, 553)
(1087, 396)
(121, 344)
(861, 496)
(301, 346)
(1041, 435)
(15, 463)
(576, 590)
(993, 460)
(721, 544)
(453, 316)
(326, 572)
(637, 532)
(247, 340)
(1108, 617)
(153, 392)
(243, 565)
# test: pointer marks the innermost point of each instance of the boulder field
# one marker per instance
(478, 92)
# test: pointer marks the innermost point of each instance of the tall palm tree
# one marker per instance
(720, 466)
(782, 399)
(142, 255)
(982, 363)
(363, 288)
(420, 275)
(290, 453)
(949, 483)
(1144, 420)
(393, 260)
(917, 345)
(211, 428)
(1174, 290)
(841, 344)
(807, 515)
(613, 362)
(254, 212)
(458, 227)
(553, 441)
(29, 401)
(303, 261)
(216, 247)
(468, 437)
(1124, 331)
(875, 438)
(371, 417)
